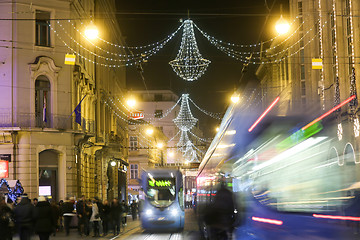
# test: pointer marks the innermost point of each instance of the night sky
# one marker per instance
(236, 21)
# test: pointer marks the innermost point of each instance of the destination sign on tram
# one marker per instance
(161, 183)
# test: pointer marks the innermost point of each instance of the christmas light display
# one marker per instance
(185, 120)
(189, 64)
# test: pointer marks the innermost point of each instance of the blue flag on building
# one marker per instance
(78, 112)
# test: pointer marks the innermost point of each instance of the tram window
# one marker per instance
(181, 198)
(161, 191)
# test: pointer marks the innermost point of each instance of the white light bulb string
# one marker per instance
(155, 48)
(199, 138)
(213, 115)
(139, 57)
(240, 45)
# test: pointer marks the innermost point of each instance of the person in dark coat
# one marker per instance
(6, 216)
(134, 208)
(56, 214)
(24, 218)
(81, 213)
(125, 209)
(116, 215)
(105, 216)
(67, 211)
(44, 219)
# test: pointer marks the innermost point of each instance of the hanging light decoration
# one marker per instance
(185, 120)
(190, 153)
(189, 64)
(184, 138)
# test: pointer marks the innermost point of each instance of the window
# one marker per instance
(302, 71)
(42, 29)
(158, 113)
(160, 128)
(158, 97)
(133, 143)
(134, 171)
(42, 102)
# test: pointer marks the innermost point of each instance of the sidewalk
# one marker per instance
(131, 225)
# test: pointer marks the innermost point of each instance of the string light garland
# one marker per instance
(199, 138)
(322, 83)
(213, 115)
(189, 64)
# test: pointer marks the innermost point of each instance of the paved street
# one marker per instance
(134, 231)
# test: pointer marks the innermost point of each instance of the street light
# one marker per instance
(282, 26)
(235, 97)
(91, 31)
(149, 131)
(131, 102)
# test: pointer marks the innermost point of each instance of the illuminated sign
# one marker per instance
(4, 169)
(160, 183)
(136, 115)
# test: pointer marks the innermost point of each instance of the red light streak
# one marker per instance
(337, 217)
(329, 112)
(266, 220)
(264, 113)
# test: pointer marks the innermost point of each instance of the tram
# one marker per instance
(163, 208)
(292, 178)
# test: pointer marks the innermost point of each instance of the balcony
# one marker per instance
(54, 121)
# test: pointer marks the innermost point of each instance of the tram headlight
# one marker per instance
(148, 212)
(174, 212)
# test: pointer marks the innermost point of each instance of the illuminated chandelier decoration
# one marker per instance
(185, 120)
(190, 153)
(189, 64)
(184, 139)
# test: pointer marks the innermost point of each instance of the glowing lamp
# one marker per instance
(91, 31)
(149, 131)
(160, 145)
(113, 163)
(282, 26)
(131, 102)
(235, 98)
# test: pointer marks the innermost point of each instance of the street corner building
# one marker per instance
(58, 135)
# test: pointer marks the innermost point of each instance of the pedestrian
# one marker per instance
(125, 210)
(115, 215)
(95, 217)
(44, 219)
(61, 202)
(55, 209)
(34, 202)
(24, 217)
(105, 217)
(134, 208)
(219, 216)
(67, 209)
(6, 220)
(81, 214)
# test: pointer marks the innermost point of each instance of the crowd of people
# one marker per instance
(46, 218)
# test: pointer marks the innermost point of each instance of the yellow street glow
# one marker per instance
(131, 102)
(149, 131)
(282, 26)
(160, 145)
(91, 31)
(235, 98)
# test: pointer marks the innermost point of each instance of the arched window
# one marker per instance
(42, 102)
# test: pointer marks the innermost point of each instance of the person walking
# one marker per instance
(55, 209)
(105, 216)
(44, 219)
(115, 215)
(134, 208)
(95, 217)
(67, 209)
(81, 214)
(6, 218)
(24, 218)
(125, 210)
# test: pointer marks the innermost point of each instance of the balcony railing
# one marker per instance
(60, 122)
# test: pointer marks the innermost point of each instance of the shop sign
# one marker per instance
(4, 169)
(136, 115)
(5, 157)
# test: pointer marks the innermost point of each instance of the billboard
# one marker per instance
(4, 169)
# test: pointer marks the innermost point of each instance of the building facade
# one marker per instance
(53, 149)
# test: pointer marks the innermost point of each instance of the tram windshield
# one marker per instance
(161, 192)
